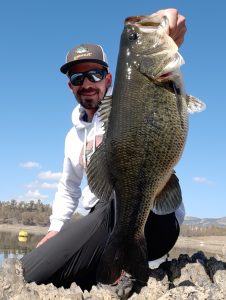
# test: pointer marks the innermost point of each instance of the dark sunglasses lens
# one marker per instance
(77, 78)
(96, 75)
(93, 75)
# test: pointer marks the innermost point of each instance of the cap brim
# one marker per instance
(64, 69)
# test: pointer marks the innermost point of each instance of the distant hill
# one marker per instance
(204, 222)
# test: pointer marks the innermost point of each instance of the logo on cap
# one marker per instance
(82, 52)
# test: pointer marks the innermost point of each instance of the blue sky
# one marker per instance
(36, 103)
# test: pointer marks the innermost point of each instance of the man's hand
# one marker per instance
(48, 236)
(177, 26)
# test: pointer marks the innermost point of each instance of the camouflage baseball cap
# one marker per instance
(85, 53)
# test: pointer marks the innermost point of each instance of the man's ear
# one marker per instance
(109, 80)
(70, 86)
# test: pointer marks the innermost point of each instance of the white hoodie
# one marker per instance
(69, 191)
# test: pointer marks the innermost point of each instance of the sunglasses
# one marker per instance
(94, 75)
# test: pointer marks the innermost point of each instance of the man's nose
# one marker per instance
(87, 82)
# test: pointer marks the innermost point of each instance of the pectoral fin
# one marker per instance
(194, 104)
(170, 198)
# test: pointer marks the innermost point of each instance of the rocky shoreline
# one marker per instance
(188, 277)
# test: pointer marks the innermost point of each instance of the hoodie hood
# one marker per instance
(88, 131)
(76, 117)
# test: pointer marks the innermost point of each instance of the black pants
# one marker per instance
(74, 253)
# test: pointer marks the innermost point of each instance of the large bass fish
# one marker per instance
(146, 124)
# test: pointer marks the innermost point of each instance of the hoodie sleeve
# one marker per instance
(67, 196)
(69, 191)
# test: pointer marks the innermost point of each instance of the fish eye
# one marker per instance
(133, 36)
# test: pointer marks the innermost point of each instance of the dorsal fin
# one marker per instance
(97, 171)
(104, 111)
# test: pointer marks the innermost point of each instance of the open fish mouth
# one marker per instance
(144, 23)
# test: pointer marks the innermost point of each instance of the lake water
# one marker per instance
(10, 246)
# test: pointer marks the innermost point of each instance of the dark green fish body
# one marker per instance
(144, 140)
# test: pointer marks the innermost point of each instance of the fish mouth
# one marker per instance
(145, 23)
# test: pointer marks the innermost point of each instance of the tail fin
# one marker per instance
(125, 254)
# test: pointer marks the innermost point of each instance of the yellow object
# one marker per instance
(22, 238)
(23, 233)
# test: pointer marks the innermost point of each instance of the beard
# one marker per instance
(88, 102)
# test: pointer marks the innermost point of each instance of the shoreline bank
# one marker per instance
(30, 229)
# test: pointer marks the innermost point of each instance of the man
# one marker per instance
(70, 251)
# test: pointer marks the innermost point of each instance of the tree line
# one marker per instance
(38, 213)
(192, 230)
(27, 213)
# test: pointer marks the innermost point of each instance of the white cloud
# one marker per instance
(35, 195)
(32, 195)
(50, 175)
(49, 186)
(203, 180)
(30, 165)
(40, 188)
(41, 185)
(33, 185)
